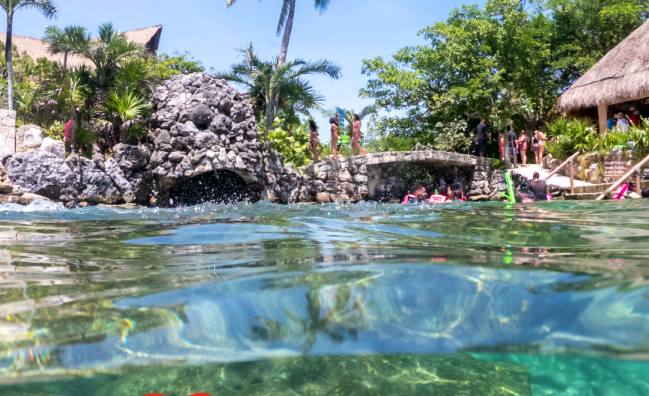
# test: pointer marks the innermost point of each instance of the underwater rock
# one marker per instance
(42, 173)
(376, 375)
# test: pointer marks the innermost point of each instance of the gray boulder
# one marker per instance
(131, 158)
(56, 147)
(5, 183)
(142, 183)
(201, 116)
(96, 186)
(115, 173)
(42, 173)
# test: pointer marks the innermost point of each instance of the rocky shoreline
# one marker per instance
(200, 126)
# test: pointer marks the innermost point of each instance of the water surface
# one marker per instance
(484, 298)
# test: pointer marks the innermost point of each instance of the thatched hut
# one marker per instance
(619, 82)
(36, 48)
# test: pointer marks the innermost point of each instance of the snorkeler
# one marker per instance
(438, 198)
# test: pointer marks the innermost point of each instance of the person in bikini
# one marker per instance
(313, 140)
(356, 135)
(334, 135)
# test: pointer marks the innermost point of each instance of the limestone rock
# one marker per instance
(201, 116)
(7, 132)
(29, 137)
(131, 158)
(5, 183)
(115, 173)
(42, 173)
(96, 186)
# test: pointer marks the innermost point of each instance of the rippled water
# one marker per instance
(326, 299)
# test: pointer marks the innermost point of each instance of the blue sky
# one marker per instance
(347, 33)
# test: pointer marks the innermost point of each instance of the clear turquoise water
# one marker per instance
(99, 300)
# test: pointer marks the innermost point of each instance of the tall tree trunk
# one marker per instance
(270, 117)
(287, 36)
(65, 60)
(10, 69)
(73, 128)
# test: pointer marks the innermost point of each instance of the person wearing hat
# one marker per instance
(634, 117)
(622, 122)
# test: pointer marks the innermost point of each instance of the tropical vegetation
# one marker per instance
(506, 61)
(273, 88)
(106, 104)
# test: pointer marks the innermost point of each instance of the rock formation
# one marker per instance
(200, 128)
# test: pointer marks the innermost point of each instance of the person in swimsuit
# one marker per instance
(334, 135)
(313, 140)
(356, 135)
(540, 138)
(538, 188)
(522, 147)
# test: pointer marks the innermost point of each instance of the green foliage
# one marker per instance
(55, 131)
(571, 136)
(165, 66)
(272, 87)
(452, 136)
(85, 137)
(506, 61)
(294, 147)
(127, 109)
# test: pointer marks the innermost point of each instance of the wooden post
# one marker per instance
(566, 162)
(602, 115)
(637, 183)
(572, 178)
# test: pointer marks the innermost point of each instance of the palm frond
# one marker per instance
(321, 5)
(286, 8)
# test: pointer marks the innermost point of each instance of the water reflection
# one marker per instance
(92, 290)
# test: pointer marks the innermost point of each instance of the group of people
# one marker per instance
(335, 134)
(535, 191)
(621, 122)
(448, 193)
(512, 146)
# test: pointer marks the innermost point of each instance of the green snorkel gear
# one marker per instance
(510, 189)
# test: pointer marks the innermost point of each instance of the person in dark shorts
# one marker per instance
(482, 136)
(538, 188)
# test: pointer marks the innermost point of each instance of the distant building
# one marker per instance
(36, 48)
(618, 83)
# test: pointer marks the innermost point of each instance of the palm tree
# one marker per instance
(25, 100)
(286, 23)
(128, 109)
(273, 85)
(68, 89)
(45, 7)
(110, 50)
(71, 40)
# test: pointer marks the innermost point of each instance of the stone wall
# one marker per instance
(590, 167)
(7, 132)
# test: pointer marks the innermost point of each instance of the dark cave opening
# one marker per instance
(220, 186)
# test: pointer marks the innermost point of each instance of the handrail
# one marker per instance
(566, 162)
(636, 168)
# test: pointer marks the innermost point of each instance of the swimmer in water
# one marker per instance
(418, 196)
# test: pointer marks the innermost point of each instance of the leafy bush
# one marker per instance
(55, 131)
(84, 138)
(294, 147)
(571, 136)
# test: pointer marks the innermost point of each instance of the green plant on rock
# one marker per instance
(84, 139)
(293, 147)
(127, 109)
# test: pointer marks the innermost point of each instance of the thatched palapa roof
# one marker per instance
(621, 75)
(36, 48)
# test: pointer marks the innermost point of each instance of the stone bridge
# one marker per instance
(389, 175)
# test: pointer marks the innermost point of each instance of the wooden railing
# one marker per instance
(569, 161)
(637, 168)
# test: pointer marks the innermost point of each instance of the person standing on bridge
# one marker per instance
(334, 135)
(313, 140)
(481, 137)
(356, 135)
